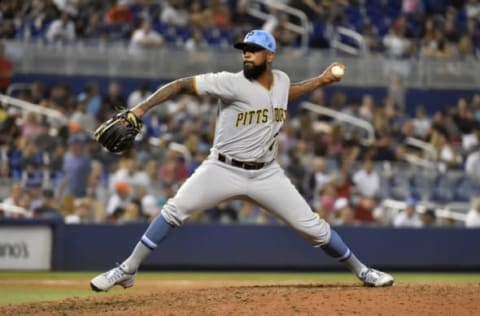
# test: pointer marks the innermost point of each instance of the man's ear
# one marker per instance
(270, 57)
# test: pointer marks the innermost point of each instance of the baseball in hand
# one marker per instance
(338, 71)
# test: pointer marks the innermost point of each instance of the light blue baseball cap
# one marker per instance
(259, 38)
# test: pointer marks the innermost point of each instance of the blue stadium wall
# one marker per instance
(243, 247)
(432, 99)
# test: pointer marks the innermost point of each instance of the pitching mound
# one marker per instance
(262, 298)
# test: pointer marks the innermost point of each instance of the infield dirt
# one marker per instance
(260, 298)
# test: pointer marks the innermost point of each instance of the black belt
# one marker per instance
(249, 165)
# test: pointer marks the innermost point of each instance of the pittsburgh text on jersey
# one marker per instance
(260, 116)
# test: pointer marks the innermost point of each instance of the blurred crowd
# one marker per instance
(400, 29)
(55, 169)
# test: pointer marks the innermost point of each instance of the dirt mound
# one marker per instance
(268, 299)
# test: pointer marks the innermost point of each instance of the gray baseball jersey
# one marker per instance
(250, 116)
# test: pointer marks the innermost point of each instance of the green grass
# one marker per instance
(13, 294)
(17, 296)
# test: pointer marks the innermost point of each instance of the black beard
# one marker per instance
(252, 72)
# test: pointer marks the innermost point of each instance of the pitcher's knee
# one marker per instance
(173, 214)
(316, 230)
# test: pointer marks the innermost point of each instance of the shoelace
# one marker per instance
(370, 276)
(115, 274)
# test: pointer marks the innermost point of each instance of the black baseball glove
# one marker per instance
(118, 133)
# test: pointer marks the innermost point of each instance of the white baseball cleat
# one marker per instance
(375, 278)
(116, 276)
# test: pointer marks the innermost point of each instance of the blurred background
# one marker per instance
(396, 143)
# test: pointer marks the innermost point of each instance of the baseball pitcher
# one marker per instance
(252, 109)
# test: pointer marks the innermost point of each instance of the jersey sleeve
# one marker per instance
(218, 84)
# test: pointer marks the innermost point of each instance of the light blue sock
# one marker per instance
(337, 249)
(156, 232)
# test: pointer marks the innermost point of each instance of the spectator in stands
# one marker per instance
(93, 28)
(473, 216)
(342, 180)
(25, 201)
(31, 156)
(97, 187)
(174, 13)
(47, 208)
(139, 94)
(15, 195)
(472, 9)
(145, 38)
(429, 218)
(447, 157)
(61, 30)
(250, 213)
(296, 171)
(412, 7)
(280, 30)
(465, 47)
(450, 32)
(56, 157)
(324, 204)
(397, 91)
(69, 6)
(223, 213)
(473, 32)
(119, 13)
(133, 213)
(398, 48)
(81, 119)
(196, 42)
(384, 147)
(367, 107)
(91, 97)
(437, 47)
(7, 29)
(113, 101)
(76, 168)
(367, 180)
(199, 16)
(408, 217)
(131, 172)
(421, 123)
(396, 44)
(472, 163)
(464, 118)
(241, 18)
(31, 126)
(370, 35)
(148, 202)
(221, 15)
(119, 200)
(173, 169)
(58, 97)
(43, 140)
(344, 213)
(82, 212)
(6, 70)
(37, 93)
(321, 176)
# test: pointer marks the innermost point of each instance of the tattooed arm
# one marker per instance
(164, 93)
(299, 89)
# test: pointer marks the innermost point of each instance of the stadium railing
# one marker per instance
(167, 62)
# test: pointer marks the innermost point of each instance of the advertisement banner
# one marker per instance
(25, 247)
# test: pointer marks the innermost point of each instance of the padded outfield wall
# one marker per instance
(235, 247)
